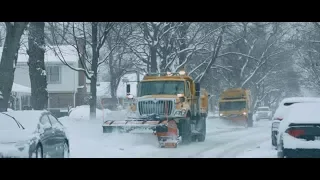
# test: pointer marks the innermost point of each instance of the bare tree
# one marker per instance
(37, 71)
(9, 57)
(2, 33)
(120, 59)
(307, 39)
(95, 35)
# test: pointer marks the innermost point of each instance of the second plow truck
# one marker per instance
(235, 107)
(170, 104)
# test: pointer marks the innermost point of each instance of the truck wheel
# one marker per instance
(202, 136)
(250, 120)
(107, 129)
(185, 130)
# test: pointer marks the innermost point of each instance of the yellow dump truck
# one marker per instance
(235, 106)
(171, 104)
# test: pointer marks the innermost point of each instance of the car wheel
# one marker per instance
(39, 151)
(280, 151)
(66, 150)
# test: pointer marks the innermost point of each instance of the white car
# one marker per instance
(28, 134)
(299, 132)
(263, 113)
(281, 112)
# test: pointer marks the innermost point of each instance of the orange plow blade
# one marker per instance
(166, 131)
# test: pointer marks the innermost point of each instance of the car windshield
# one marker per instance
(231, 106)
(8, 122)
(162, 87)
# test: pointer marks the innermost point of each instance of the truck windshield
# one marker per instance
(161, 87)
(231, 106)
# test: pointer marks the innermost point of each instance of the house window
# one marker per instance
(54, 74)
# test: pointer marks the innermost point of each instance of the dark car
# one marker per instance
(32, 134)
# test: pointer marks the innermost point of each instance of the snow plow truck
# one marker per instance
(235, 107)
(170, 104)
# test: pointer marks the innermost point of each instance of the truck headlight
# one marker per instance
(180, 112)
(244, 113)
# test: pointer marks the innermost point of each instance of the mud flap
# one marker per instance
(200, 129)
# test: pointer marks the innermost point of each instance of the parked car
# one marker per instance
(281, 111)
(299, 132)
(263, 113)
(32, 134)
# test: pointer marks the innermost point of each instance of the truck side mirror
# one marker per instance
(197, 89)
(128, 88)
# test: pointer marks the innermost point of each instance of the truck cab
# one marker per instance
(235, 106)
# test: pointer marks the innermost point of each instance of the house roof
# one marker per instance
(20, 89)
(53, 54)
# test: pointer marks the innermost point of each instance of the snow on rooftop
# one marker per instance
(20, 88)
(103, 89)
(68, 52)
(304, 113)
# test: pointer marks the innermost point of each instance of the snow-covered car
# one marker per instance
(263, 113)
(32, 134)
(281, 112)
(299, 132)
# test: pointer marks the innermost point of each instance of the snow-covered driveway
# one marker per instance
(88, 141)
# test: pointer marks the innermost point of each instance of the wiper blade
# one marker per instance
(18, 123)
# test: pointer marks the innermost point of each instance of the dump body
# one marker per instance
(235, 105)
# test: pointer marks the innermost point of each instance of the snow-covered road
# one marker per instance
(223, 141)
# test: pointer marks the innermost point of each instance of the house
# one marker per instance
(66, 87)
(104, 90)
(20, 97)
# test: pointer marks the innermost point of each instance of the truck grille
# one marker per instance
(159, 107)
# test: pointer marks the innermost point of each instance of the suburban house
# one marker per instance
(20, 97)
(104, 90)
(66, 87)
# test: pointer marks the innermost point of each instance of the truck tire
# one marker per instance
(250, 120)
(185, 130)
(202, 136)
(107, 129)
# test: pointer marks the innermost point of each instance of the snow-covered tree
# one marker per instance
(9, 57)
(37, 71)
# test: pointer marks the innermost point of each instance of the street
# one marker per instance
(222, 141)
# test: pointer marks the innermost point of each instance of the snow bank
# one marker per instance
(83, 113)
(88, 141)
